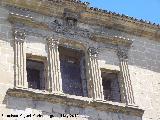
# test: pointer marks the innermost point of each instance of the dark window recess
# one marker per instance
(73, 71)
(35, 74)
(111, 88)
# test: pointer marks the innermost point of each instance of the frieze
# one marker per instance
(59, 27)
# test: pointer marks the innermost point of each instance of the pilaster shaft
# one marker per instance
(55, 80)
(95, 80)
(125, 75)
(19, 60)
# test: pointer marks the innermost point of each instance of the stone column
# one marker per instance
(20, 78)
(125, 76)
(95, 80)
(55, 80)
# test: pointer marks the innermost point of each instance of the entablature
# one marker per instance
(20, 21)
(88, 16)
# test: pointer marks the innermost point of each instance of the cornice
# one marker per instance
(92, 16)
(76, 101)
(13, 18)
(113, 40)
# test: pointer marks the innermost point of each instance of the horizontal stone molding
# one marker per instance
(76, 101)
(113, 40)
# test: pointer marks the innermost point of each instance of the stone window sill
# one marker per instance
(76, 101)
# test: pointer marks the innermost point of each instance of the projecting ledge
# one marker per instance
(76, 101)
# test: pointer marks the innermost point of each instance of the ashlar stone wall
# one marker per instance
(144, 66)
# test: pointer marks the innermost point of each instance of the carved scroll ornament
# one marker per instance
(52, 41)
(122, 53)
(92, 51)
(19, 35)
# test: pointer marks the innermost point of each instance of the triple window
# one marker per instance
(73, 73)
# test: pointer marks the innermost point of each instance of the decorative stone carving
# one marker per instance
(58, 27)
(83, 32)
(19, 35)
(71, 23)
(122, 53)
(92, 51)
(71, 15)
(52, 42)
(70, 18)
(65, 27)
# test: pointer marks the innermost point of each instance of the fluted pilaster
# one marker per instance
(55, 80)
(20, 79)
(125, 76)
(95, 80)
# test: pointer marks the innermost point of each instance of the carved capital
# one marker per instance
(92, 51)
(19, 35)
(122, 53)
(52, 41)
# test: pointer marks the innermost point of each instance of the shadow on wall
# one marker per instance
(44, 109)
(28, 107)
(37, 108)
(144, 53)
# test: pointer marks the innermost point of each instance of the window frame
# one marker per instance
(42, 59)
(84, 88)
(120, 84)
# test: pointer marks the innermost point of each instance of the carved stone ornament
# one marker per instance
(19, 35)
(56, 26)
(59, 27)
(71, 23)
(92, 51)
(52, 41)
(122, 53)
(72, 15)
(71, 18)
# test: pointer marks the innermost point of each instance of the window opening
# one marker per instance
(72, 64)
(35, 74)
(110, 84)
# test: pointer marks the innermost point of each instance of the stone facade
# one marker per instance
(109, 41)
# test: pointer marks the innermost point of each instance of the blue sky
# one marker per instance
(142, 9)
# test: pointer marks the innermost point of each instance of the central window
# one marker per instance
(73, 71)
